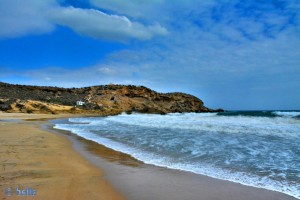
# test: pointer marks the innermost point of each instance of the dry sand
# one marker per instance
(33, 158)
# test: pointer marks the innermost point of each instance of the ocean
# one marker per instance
(255, 148)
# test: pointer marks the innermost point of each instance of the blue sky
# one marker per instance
(233, 54)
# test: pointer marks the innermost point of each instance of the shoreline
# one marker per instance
(133, 178)
(123, 175)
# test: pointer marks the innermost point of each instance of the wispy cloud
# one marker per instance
(225, 50)
(132, 8)
(19, 18)
(99, 25)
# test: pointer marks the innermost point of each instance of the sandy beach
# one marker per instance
(45, 163)
(60, 165)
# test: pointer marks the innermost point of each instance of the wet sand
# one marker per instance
(44, 163)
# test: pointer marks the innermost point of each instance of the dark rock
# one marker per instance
(5, 105)
(219, 110)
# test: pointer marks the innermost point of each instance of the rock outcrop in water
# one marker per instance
(108, 99)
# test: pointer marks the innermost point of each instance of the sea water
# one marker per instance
(256, 148)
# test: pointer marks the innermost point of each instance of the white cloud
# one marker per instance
(163, 11)
(106, 70)
(229, 59)
(133, 8)
(19, 17)
(99, 25)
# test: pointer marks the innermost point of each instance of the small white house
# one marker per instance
(80, 103)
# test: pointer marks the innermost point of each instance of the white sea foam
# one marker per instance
(287, 114)
(257, 151)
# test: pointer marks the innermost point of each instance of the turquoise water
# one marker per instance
(256, 148)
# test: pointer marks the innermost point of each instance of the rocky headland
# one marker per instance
(104, 99)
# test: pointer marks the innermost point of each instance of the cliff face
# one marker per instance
(97, 99)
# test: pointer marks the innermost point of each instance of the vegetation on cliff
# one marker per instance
(97, 99)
